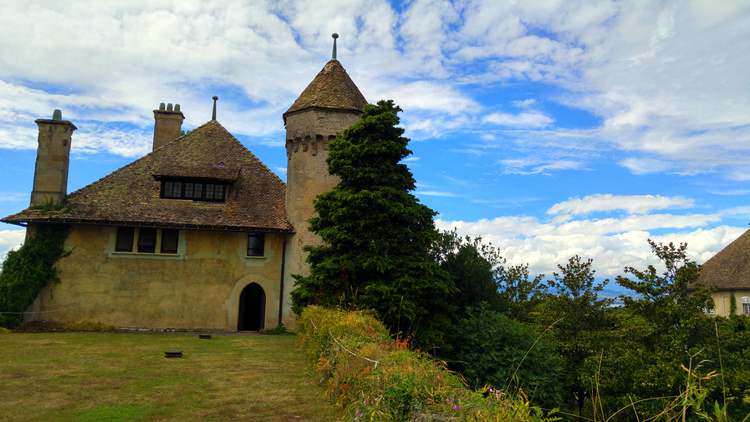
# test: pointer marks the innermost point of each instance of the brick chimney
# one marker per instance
(52, 160)
(167, 124)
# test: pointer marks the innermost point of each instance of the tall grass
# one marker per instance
(372, 377)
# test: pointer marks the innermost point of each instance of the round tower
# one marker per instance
(330, 104)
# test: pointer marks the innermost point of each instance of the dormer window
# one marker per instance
(196, 190)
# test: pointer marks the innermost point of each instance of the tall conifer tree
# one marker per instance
(376, 234)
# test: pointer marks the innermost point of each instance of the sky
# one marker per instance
(550, 128)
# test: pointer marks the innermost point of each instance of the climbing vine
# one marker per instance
(27, 270)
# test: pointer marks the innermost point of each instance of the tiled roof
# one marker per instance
(729, 269)
(332, 88)
(130, 195)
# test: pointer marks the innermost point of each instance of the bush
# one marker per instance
(490, 348)
(27, 270)
(372, 377)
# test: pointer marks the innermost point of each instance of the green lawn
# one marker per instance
(118, 376)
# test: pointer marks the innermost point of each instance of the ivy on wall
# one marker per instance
(27, 270)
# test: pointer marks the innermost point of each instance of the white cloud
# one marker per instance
(525, 119)
(632, 204)
(613, 243)
(439, 193)
(10, 239)
(532, 166)
(668, 81)
(14, 197)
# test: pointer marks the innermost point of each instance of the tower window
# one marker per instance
(124, 242)
(193, 189)
(256, 244)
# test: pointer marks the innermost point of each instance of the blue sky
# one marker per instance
(550, 128)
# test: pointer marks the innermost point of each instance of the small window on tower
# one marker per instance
(147, 240)
(124, 242)
(169, 240)
(256, 244)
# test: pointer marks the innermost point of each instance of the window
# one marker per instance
(124, 242)
(214, 192)
(195, 190)
(746, 305)
(255, 244)
(172, 189)
(169, 238)
(147, 240)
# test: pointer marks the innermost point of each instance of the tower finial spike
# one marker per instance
(213, 114)
(334, 36)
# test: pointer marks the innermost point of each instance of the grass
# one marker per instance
(124, 377)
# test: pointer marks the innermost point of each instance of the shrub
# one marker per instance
(372, 377)
(27, 270)
(491, 348)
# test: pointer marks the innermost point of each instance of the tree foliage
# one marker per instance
(377, 237)
(27, 270)
(581, 320)
(492, 349)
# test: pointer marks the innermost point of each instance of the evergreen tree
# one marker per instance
(376, 235)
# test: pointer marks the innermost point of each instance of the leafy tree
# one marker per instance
(473, 267)
(377, 237)
(664, 328)
(669, 297)
(493, 349)
(581, 322)
(520, 292)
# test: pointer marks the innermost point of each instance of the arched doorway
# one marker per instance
(252, 308)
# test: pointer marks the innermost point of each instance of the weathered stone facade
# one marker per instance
(308, 134)
(723, 302)
(199, 288)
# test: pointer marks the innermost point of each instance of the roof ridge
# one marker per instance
(253, 156)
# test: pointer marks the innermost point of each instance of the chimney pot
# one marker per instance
(169, 107)
(176, 108)
(162, 107)
(57, 115)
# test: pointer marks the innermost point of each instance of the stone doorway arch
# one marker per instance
(252, 309)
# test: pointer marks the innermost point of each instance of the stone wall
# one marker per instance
(197, 289)
(723, 301)
(52, 161)
(308, 133)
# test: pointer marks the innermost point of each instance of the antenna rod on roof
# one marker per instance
(334, 36)
(213, 115)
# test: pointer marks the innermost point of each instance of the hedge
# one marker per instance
(371, 377)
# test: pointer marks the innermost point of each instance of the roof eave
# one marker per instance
(187, 226)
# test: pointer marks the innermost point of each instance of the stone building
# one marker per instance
(728, 274)
(197, 234)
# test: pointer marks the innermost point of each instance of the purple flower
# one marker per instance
(358, 414)
(456, 407)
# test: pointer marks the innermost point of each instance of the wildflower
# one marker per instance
(456, 407)
(358, 414)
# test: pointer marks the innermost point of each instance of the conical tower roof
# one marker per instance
(332, 88)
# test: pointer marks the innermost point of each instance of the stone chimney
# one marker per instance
(167, 124)
(52, 160)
